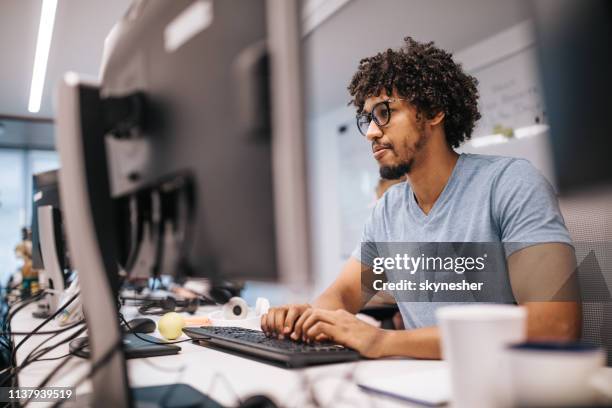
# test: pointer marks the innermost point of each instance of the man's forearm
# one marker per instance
(330, 301)
(546, 320)
(333, 299)
(418, 343)
(556, 321)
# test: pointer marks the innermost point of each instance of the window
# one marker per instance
(16, 169)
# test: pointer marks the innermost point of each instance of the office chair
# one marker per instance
(589, 221)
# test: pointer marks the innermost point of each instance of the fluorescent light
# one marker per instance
(489, 140)
(529, 131)
(43, 43)
(518, 133)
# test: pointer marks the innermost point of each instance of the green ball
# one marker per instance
(171, 325)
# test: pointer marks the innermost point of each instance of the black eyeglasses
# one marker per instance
(380, 114)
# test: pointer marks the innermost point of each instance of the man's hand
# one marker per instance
(280, 321)
(340, 327)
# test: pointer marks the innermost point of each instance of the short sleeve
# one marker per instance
(366, 250)
(526, 208)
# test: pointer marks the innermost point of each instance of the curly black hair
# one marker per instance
(429, 78)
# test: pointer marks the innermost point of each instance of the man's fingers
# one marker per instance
(320, 328)
(279, 321)
(297, 328)
(264, 323)
(317, 316)
(292, 315)
(270, 321)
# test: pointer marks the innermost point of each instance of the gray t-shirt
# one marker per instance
(486, 199)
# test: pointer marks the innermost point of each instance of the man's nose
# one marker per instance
(373, 132)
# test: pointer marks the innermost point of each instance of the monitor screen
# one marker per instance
(45, 192)
(190, 143)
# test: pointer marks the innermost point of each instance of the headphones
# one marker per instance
(169, 304)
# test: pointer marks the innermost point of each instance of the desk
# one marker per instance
(223, 376)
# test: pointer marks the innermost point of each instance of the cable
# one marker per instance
(13, 357)
(52, 358)
(47, 320)
(24, 303)
(41, 352)
(49, 377)
(63, 329)
(102, 361)
(32, 356)
(44, 342)
(6, 324)
(94, 368)
(30, 299)
(46, 350)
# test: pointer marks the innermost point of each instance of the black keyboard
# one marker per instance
(255, 343)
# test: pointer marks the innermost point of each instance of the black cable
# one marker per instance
(36, 349)
(97, 365)
(49, 377)
(63, 329)
(13, 357)
(24, 303)
(48, 339)
(30, 299)
(48, 349)
(6, 327)
(47, 320)
(35, 354)
(101, 362)
(42, 352)
(6, 324)
(52, 358)
(94, 368)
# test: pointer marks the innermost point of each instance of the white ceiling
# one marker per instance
(78, 35)
(364, 27)
(333, 49)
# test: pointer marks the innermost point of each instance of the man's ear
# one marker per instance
(437, 119)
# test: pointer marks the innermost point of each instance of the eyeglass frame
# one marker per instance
(372, 118)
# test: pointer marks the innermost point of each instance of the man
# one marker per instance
(415, 105)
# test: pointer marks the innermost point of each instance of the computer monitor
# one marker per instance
(190, 149)
(49, 251)
(576, 66)
(45, 191)
(195, 139)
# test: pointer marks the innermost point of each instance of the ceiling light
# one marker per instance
(43, 44)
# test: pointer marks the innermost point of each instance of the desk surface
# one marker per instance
(225, 377)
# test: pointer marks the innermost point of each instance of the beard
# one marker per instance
(395, 172)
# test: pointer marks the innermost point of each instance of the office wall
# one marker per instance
(496, 46)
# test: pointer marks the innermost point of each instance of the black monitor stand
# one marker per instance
(52, 276)
(88, 217)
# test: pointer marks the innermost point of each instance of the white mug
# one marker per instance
(553, 374)
(474, 338)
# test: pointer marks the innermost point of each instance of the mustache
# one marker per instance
(378, 146)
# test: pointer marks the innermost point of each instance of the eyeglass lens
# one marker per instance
(380, 115)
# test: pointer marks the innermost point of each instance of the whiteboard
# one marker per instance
(510, 94)
(506, 68)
